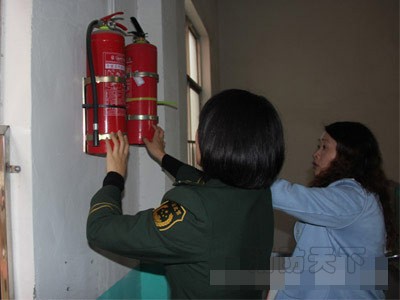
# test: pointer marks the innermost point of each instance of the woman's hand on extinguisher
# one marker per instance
(117, 155)
(156, 147)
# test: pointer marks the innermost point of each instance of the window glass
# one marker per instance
(193, 58)
(194, 104)
(194, 87)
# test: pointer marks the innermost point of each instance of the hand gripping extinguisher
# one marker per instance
(104, 88)
(141, 87)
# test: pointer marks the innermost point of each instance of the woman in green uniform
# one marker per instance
(209, 231)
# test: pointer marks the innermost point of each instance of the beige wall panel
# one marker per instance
(318, 62)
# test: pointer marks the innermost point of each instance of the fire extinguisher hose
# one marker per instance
(89, 54)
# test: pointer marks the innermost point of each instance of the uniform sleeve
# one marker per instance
(171, 164)
(188, 173)
(168, 234)
(180, 170)
(116, 179)
(334, 206)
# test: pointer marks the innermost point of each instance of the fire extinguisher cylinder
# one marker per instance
(141, 87)
(123, 84)
(105, 106)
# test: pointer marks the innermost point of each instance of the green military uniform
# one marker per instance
(200, 226)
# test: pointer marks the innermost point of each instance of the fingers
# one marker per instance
(158, 131)
(117, 154)
(115, 142)
(156, 146)
(158, 137)
(161, 133)
(108, 146)
(126, 148)
(120, 143)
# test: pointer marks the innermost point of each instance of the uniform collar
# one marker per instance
(203, 181)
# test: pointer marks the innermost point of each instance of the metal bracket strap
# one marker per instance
(142, 74)
(99, 79)
(142, 117)
(103, 79)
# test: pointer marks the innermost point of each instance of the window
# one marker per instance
(198, 74)
(194, 87)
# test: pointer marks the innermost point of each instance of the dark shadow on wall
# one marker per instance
(143, 281)
(124, 261)
(148, 267)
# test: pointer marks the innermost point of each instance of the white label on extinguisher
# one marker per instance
(114, 64)
(138, 80)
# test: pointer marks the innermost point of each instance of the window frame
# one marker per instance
(191, 84)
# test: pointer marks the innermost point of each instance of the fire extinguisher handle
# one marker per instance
(109, 17)
(121, 26)
(139, 31)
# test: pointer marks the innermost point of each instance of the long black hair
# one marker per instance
(359, 157)
(240, 138)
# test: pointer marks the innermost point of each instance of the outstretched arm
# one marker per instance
(117, 155)
(156, 149)
(117, 160)
(335, 206)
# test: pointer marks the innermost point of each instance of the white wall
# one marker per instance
(63, 177)
(16, 111)
(43, 45)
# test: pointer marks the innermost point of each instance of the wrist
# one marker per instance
(120, 171)
(160, 156)
(115, 179)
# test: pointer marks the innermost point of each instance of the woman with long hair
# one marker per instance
(359, 157)
(341, 236)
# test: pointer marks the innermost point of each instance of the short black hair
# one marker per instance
(241, 140)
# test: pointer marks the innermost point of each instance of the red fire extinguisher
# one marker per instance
(104, 87)
(141, 87)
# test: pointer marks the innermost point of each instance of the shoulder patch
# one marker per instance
(168, 214)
